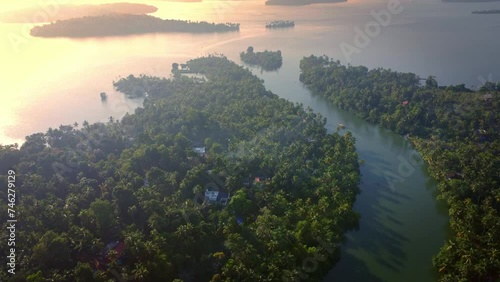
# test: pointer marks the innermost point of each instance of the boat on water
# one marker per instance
(104, 96)
(341, 126)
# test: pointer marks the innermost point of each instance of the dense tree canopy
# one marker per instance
(458, 132)
(267, 60)
(127, 196)
(486, 12)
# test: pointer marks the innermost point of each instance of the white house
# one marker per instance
(216, 197)
(200, 150)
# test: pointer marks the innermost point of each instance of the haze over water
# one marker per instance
(48, 82)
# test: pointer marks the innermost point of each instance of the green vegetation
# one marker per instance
(280, 24)
(487, 12)
(300, 2)
(137, 186)
(267, 60)
(458, 132)
(118, 24)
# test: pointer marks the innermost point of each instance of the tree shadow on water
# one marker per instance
(393, 220)
(379, 238)
(351, 269)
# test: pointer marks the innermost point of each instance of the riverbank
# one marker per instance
(465, 162)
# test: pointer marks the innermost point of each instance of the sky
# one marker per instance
(10, 5)
(14, 4)
(30, 62)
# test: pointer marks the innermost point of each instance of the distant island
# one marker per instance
(300, 2)
(116, 24)
(469, 1)
(65, 12)
(267, 60)
(487, 12)
(280, 24)
(104, 96)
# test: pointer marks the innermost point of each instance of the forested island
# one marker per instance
(214, 181)
(457, 131)
(300, 2)
(267, 60)
(280, 24)
(487, 12)
(120, 24)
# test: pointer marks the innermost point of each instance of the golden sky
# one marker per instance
(13, 4)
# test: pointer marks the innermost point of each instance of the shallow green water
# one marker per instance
(402, 227)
